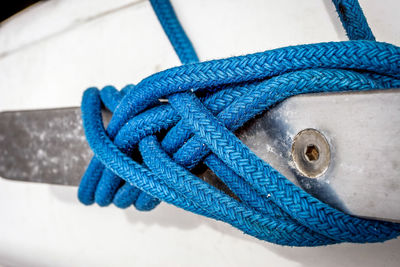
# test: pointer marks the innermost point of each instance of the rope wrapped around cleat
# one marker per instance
(150, 147)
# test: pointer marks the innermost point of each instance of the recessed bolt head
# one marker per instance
(311, 153)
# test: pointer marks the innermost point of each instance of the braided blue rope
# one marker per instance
(353, 20)
(146, 153)
(173, 29)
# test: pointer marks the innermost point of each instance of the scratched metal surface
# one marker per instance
(361, 130)
(44, 147)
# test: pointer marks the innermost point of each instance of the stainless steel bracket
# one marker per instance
(343, 148)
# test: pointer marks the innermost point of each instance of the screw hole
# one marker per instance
(311, 153)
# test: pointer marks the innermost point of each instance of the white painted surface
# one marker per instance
(50, 53)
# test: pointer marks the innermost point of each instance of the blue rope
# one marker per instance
(149, 147)
(173, 29)
(353, 20)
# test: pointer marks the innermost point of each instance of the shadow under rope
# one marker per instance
(168, 216)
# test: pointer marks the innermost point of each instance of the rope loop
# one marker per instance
(150, 148)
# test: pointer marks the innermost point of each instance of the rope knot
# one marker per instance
(150, 146)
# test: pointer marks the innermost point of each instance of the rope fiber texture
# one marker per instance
(149, 150)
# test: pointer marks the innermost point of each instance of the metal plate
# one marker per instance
(45, 146)
(362, 129)
(361, 178)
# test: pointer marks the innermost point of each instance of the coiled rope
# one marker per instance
(149, 148)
